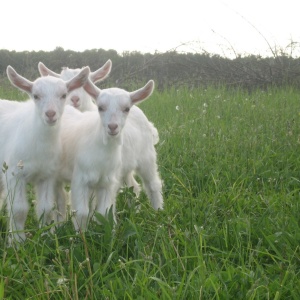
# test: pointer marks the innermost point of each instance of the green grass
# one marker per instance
(230, 227)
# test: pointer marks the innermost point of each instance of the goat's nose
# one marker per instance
(50, 114)
(75, 99)
(113, 126)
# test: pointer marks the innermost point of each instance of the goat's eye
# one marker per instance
(64, 96)
(100, 108)
(127, 109)
(36, 97)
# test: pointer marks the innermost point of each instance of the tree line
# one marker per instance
(170, 69)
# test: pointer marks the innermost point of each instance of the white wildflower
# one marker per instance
(62, 281)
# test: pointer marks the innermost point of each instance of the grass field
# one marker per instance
(230, 229)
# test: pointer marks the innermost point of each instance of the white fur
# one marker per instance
(82, 101)
(96, 145)
(30, 145)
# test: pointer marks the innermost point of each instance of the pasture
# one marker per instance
(230, 162)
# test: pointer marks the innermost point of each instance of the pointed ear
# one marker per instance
(91, 89)
(18, 81)
(143, 93)
(78, 80)
(101, 73)
(44, 71)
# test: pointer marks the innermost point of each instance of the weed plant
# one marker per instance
(230, 228)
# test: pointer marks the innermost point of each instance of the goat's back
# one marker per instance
(139, 138)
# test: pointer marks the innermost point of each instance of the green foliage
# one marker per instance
(230, 228)
(170, 69)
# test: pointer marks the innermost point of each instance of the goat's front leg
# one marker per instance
(80, 193)
(62, 200)
(17, 207)
(45, 194)
(106, 199)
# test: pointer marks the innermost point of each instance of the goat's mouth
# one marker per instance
(51, 122)
(114, 133)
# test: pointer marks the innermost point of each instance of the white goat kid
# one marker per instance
(82, 101)
(138, 151)
(93, 147)
(31, 146)
(79, 98)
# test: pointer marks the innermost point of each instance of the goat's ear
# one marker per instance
(143, 93)
(78, 80)
(44, 71)
(18, 81)
(91, 89)
(101, 73)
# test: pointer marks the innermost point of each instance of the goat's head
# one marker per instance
(114, 105)
(48, 93)
(78, 98)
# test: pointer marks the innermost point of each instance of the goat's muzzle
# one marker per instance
(50, 117)
(113, 129)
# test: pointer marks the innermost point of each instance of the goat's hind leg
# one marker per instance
(152, 184)
(131, 182)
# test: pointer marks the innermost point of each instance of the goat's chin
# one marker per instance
(113, 136)
(77, 106)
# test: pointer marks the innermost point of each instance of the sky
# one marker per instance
(224, 27)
